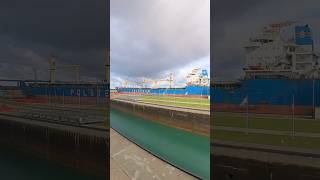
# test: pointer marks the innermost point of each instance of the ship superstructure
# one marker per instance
(282, 50)
(198, 77)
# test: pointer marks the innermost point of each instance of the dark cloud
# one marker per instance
(150, 37)
(76, 31)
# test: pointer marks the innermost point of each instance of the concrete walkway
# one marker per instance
(267, 153)
(129, 161)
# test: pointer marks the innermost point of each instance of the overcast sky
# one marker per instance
(153, 38)
(235, 21)
(74, 30)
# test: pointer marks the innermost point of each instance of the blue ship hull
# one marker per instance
(189, 90)
(270, 91)
(268, 96)
(65, 89)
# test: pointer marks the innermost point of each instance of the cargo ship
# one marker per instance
(44, 92)
(197, 85)
(84, 93)
(53, 91)
(281, 75)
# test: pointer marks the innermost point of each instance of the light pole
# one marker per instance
(62, 97)
(313, 100)
(293, 118)
(247, 115)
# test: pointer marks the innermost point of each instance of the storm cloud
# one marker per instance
(75, 31)
(233, 22)
(152, 38)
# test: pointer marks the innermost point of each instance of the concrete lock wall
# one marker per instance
(198, 123)
(87, 153)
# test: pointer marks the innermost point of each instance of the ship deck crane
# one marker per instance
(169, 79)
(127, 84)
(155, 83)
(53, 68)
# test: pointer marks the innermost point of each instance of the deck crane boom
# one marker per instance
(53, 68)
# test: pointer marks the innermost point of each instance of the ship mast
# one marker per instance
(52, 62)
(107, 65)
(53, 68)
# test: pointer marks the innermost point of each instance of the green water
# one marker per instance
(19, 166)
(184, 149)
